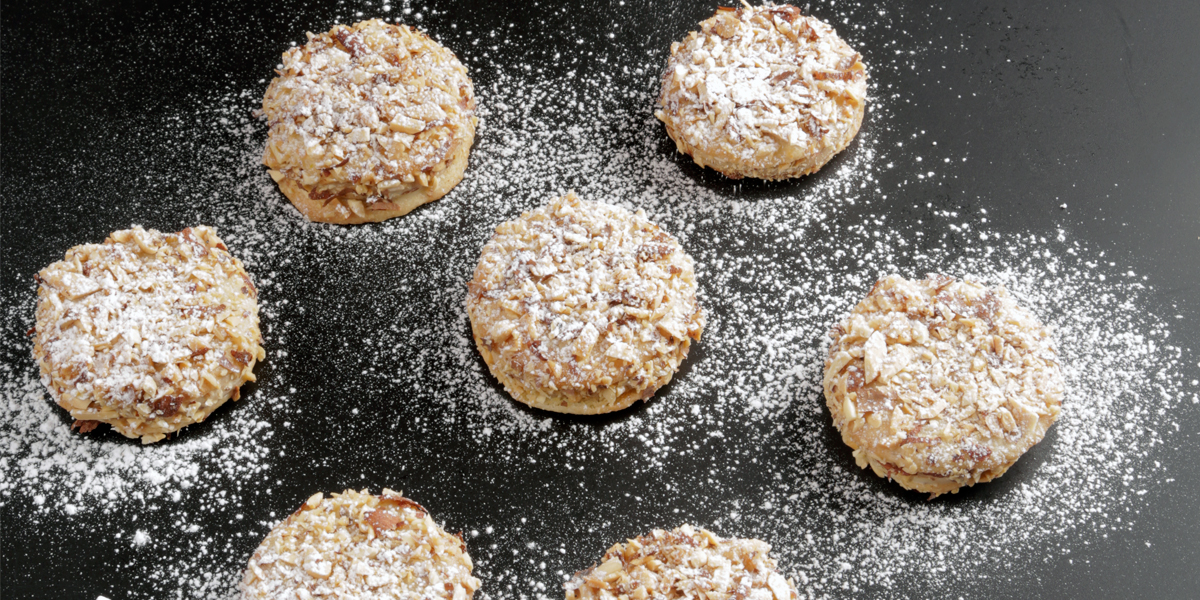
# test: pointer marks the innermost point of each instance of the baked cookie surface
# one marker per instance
(583, 307)
(368, 122)
(148, 332)
(762, 92)
(941, 383)
(357, 545)
(684, 563)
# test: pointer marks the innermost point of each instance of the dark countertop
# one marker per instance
(1071, 133)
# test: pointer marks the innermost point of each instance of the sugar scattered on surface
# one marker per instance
(777, 268)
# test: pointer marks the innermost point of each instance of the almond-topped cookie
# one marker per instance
(148, 332)
(941, 383)
(683, 564)
(357, 545)
(583, 307)
(762, 91)
(368, 122)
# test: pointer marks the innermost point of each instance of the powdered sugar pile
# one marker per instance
(739, 443)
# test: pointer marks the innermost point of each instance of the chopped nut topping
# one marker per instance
(366, 114)
(762, 92)
(135, 332)
(583, 307)
(356, 545)
(941, 383)
(683, 564)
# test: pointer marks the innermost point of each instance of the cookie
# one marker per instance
(685, 563)
(356, 545)
(762, 92)
(941, 383)
(582, 307)
(148, 332)
(368, 122)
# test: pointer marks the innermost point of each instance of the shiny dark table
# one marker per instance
(1096, 106)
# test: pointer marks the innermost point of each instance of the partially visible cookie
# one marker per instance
(356, 545)
(683, 564)
(148, 332)
(941, 383)
(368, 122)
(762, 91)
(582, 307)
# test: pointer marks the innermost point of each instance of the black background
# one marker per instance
(1094, 105)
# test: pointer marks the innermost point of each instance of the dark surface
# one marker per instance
(1095, 106)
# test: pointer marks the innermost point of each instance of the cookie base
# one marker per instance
(334, 211)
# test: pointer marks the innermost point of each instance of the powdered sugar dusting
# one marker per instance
(739, 443)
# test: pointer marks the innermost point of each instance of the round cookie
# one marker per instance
(148, 332)
(582, 307)
(941, 383)
(685, 563)
(763, 92)
(368, 122)
(356, 545)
